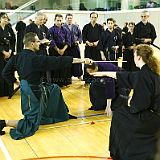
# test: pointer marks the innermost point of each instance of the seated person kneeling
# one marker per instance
(102, 89)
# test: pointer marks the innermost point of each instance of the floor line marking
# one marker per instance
(4, 150)
(52, 157)
(76, 124)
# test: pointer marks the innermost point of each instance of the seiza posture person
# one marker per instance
(134, 128)
(30, 67)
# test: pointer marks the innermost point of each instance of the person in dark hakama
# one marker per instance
(144, 31)
(109, 42)
(7, 47)
(36, 28)
(128, 49)
(102, 90)
(20, 28)
(91, 34)
(34, 107)
(119, 31)
(60, 41)
(76, 39)
(134, 128)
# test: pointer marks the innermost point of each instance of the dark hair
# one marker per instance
(110, 19)
(68, 14)
(58, 15)
(2, 14)
(146, 52)
(29, 37)
(93, 13)
(91, 66)
(132, 23)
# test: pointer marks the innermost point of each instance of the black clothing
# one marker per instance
(133, 133)
(50, 108)
(40, 33)
(44, 30)
(128, 54)
(142, 30)
(102, 88)
(7, 42)
(20, 28)
(31, 66)
(2, 125)
(108, 41)
(91, 34)
(125, 30)
(62, 77)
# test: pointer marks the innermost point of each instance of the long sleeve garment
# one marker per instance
(40, 33)
(134, 128)
(142, 31)
(59, 36)
(31, 66)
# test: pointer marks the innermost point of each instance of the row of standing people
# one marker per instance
(100, 44)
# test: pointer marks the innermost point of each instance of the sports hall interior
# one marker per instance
(86, 137)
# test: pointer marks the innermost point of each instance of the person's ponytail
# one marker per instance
(147, 54)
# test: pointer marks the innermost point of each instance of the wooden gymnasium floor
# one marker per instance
(64, 140)
(84, 138)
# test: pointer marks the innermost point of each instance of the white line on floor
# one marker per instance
(4, 150)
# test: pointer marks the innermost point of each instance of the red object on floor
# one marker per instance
(92, 122)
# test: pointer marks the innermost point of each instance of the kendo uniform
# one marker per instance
(74, 49)
(119, 31)
(20, 28)
(7, 42)
(41, 35)
(102, 88)
(44, 30)
(107, 42)
(48, 107)
(91, 34)
(142, 31)
(134, 128)
(59, 37)
(128, 53)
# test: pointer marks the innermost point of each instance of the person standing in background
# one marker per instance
(109, 42)
(144, 31)
(35, 27)
(128, 49)
(91, 34)
(20, 28)
(43, 27)
(76, 39)
(60, 41)
(7, 47)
